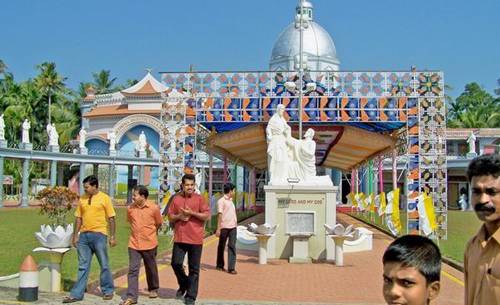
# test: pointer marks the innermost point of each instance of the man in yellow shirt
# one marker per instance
(482, 254)
(93, 214)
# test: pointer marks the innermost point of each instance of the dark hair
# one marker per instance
(484, 165)
(188, 177)
(228, 187)
(418, 252)
(142, 190)
(463, 191)
(91, 180)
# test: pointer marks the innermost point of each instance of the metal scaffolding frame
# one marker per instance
(380, 101)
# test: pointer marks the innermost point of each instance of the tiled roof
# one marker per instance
(113, 110)
(464, 133)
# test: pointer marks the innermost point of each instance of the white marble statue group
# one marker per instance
(290, 159)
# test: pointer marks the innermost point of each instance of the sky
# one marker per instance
(459, 37)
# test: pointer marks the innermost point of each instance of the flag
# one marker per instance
(165, 201)
(395, 211)
(426, 214)
(392, 211)
(351, 200)
(360, 198)
(371, 201)
(380, 203)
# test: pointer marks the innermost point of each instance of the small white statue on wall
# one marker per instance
(25, 136)
(112, 139)
(83, 135)
(53, 135)
(471, 140)
(2, 128)
(142, 142)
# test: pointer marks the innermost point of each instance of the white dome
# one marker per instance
(317, 45)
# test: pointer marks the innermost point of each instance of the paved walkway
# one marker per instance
(359, 282)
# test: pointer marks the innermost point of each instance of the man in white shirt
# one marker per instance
(226, 228)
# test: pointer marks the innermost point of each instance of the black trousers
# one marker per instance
(187, 283)
(226, 234)
(134, 258)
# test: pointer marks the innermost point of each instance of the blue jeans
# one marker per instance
(92, 243)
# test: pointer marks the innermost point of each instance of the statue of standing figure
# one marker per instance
(25, 135)
(289, 157)
(53, 135)
(277, 151)
(471, 140)
(142, 142)
(112, 139)
(2, 128)
(82, 134)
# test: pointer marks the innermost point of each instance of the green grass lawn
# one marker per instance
(461, 227)
(17, 240)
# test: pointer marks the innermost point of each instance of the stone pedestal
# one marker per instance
(339, 248)
(53, 173)
(26, 146)
(25, 183)
(3, 144)
(471, 155)
(290, 206)
(112, 153)
(263, 239)
(53, 148)
(84, 151)
(56, 257)
(300, 249)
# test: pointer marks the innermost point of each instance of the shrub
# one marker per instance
(56, 203)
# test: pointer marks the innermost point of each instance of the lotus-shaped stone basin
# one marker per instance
(339, 230)
(264, 229)
(58, 238)
(244, 236)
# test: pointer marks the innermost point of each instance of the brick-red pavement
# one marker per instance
(359, 281)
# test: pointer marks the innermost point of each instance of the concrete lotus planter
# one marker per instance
(264, 229)
(339, 230)
(58, 238)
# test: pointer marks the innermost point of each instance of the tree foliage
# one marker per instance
(103, 83)
(29, 99)
(474, 108)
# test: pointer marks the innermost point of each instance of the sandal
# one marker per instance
(107, 297)
(70, 300)
(128, 302)
(153, 294)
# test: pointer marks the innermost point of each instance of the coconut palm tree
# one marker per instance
(103, 82)
(67, 122)
(82, 89)
(3, 67)
(476, 119)
(49, 81)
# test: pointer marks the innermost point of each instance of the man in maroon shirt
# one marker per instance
(188, 211)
